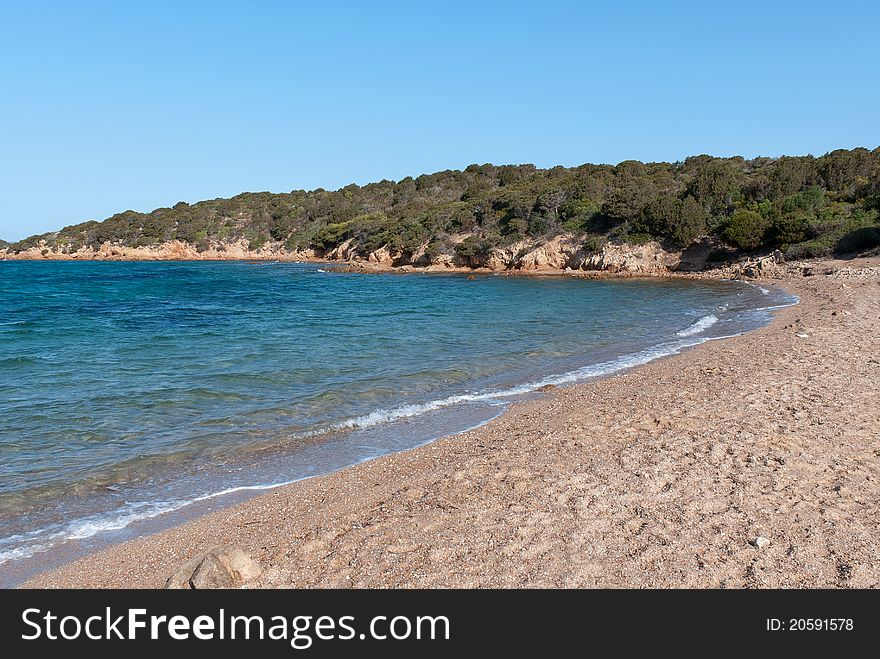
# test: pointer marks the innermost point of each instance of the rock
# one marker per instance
(643, 259)
(557, 254)
(381, 256)
(221, 567)
(546, 387)
(760, 542)
(211, 573)
(762, 267)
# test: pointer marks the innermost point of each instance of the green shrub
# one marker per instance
(679, 221)
(792, 228)
(577, 215)
(475, 246)
(637, 238)
(745, 229)
(810, 199)
(256, 242)
(332, 235)
(434, 249)
(594, 243)
(299, 241)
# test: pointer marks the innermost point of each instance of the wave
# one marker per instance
(790, 301)
(764, 291)
(381, 416)
(84, 528)
(698, 326)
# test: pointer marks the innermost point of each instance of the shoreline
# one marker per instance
(88, 533)
(166, 550)
(562, 255)
(169, 513)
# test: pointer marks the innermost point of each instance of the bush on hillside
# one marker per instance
(745, 229)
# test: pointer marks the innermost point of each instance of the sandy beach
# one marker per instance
(747, 462)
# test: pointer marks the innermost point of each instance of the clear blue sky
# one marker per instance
(106, 106)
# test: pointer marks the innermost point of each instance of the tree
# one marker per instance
(792, 228)
(714, 186)
(841, 169)
(745, 229)
(629, 196)
(790, 175)
(680, 221)
(475, 248)
(691, 223)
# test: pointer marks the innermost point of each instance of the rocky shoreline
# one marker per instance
(748, 462)
(562, 256)
(565, 252)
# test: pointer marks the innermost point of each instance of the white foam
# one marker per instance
(84, 528)
(698, 326)
(631, 360)
(764, 291)
(244, 488)
(377, 417)
(23, 552)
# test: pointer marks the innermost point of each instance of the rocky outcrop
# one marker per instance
(551, 256)
(174, 250)
(343, 252)
(762, 267)
(557, 254)
(382, 257)
(649, 259)
(563, 253)
(221, 567)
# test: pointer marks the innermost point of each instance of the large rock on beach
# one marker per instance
(221, 567)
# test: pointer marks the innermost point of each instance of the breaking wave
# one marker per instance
(698, 326)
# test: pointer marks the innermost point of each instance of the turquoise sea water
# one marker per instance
(132, 389)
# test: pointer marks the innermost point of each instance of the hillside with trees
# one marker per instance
(804, 206)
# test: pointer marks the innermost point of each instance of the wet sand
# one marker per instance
(663, 476)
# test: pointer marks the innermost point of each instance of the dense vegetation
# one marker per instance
(804, 206)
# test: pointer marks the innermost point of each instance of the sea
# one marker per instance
(134, 391)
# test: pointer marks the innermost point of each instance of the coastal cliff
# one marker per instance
(563, 254)
(560, 254)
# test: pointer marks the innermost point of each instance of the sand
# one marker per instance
(663, 476)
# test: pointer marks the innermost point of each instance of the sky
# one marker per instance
(109, 106)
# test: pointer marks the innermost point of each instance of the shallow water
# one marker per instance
(128, 390)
